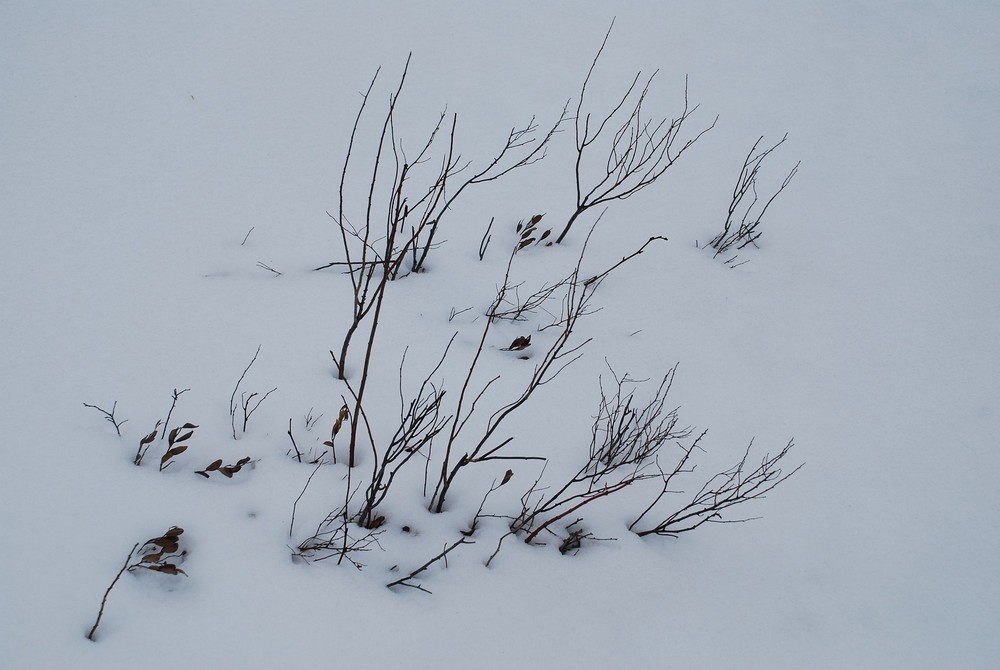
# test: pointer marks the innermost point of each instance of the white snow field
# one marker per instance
(169, 178)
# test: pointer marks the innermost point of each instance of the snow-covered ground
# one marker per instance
(141, 142)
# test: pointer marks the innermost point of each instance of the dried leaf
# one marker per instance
(536, 218)
(520, 343)
(152, 558)
(169, 544)
(227, 471)
(379, 520)
(506, 477)
(520, 224)
(186, 426)
(243, 461)
(329, 443)
(336, 426)
(173, 436)
(345, 413)
(174, 531)
(173, 452)
(214, 465)
(545, 234)
(525, 243)
(185, 436)
(149, 438)
(202, 473)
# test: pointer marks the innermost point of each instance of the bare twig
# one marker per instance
(291, 524)
(232, 398)
(298, 454)
(110, 416)
(173, 403)
(407, 580)
(640, 149)
(104, 600)
(745, 198)
(731, 487)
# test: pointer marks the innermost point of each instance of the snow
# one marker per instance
(142, 142)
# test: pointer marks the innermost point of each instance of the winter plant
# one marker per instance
(460, 416)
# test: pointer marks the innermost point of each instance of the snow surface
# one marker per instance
(140, 142)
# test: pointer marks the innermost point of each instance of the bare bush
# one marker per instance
(746, 210)
(409, 222)
(741, 483)
(639, 149)
(110, 416)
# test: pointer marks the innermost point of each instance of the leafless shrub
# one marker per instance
(173, 403)
(420, 421)
(741, 483)
(246, 401)
(110, 416)
(336, 536)
(390, 237)
(311, 420)
(413, 214)
(443, 556)
(746, 212)
(639, 150)
(159, 554)
(624, 440)
(250, 406)
(466, 534)
(577, 294)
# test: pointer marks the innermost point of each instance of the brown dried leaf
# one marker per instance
(174, 531)
(149, 438)
(227, 471)
(173, 452)
(169, 544)
(506, 477)
(185, 436)
(536, 218)
(214, 465)
(345, 413)
(243, 461)
(202, 473)
(152, 558)
(186, 426)
(520, 343)
(525, 243)
(545, 234)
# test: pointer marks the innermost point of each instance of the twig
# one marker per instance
(291, 525)
(298, 454)
(404, 581)
(177, 394)
(110, 416)
(104, 600)
(232, 398)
